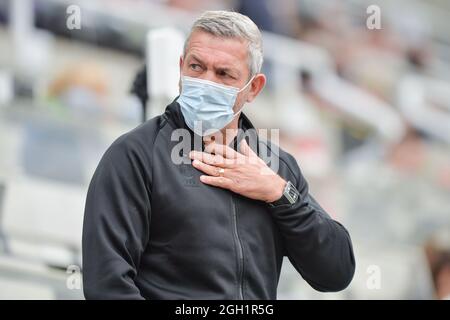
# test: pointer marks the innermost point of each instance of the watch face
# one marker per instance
(291, 193)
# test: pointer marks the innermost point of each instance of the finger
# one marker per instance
(246, 150)
(220, 182)
(224, 150)
(214, 160)
(206, 168)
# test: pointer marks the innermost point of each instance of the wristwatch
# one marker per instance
(290, 195)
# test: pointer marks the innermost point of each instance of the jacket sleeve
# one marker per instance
(116, 224)
(319, 247)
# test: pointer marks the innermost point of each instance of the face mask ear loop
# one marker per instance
(250, 81)
(240, 110)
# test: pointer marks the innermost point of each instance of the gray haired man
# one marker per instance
(218, 225)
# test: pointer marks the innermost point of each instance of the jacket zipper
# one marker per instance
(240, 252)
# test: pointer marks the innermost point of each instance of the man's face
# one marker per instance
(221, 60)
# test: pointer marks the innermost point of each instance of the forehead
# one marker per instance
(217, 50)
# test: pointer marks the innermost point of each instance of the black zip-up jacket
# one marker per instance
(153, 230)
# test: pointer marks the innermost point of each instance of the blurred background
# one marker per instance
(360, 91)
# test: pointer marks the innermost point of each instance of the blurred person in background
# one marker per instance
(216, 228)
(81, 86)
(437, 250)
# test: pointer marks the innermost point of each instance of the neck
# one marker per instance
(224, 136)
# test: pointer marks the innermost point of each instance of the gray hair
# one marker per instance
(230, 24)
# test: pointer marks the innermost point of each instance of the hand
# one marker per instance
(243, 173)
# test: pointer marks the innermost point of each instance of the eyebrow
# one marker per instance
(193, 56)
(224, 69)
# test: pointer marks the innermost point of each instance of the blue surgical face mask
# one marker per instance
(207, 106)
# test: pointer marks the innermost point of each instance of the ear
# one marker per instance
(258, 83)
(181, 62)
(181, 68)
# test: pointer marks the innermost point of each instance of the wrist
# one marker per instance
(277, 190)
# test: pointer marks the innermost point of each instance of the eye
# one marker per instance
(224, 74)
(195, 67)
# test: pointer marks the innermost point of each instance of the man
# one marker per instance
(216, 227)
